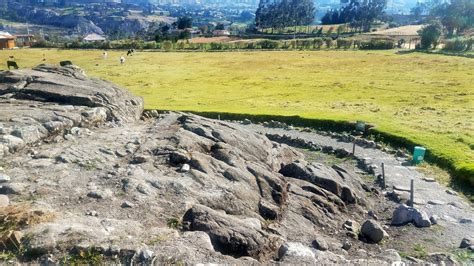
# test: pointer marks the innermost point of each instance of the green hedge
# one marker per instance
(375, 44)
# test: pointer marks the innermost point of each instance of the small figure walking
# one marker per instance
(122, 60)
(104, 55)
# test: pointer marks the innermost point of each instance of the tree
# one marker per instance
(184, 23)
(220, 26)
(430, 35)
(359, 13)
(284, 13)
(456, 15)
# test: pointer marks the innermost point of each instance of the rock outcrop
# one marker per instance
(100, 178)
(46, 101)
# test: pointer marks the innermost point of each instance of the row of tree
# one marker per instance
(284, 13)
(360, 14)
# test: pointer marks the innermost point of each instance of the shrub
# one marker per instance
(458, 45)
(269, 44)
(317, 43)
(328, 42)
(377, 45)
(149, 45)
(430, 35)
(343, 43)
(167, 45)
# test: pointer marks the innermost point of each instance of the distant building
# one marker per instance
(25, 40)
(7, 41)
(221, 33)
(94, 38)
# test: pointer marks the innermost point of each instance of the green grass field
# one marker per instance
(429, 99)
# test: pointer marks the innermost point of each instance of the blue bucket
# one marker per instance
(418, 155)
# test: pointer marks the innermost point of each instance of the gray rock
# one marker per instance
(372, 231)
(146, 255)
(466, 242)
(4, 178)
(97, 194)
(296, 253)
(179, 157)
(4, 201)
(465, 221)
(390, 255)
(404, 214)
(346, 245)
(229, 234)
(351, 226)
(436, 202)
(320, 244)
(434, 219)
(127, 204)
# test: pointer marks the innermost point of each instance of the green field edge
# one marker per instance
(462, 177)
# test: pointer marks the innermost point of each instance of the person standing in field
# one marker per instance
(122, 60)
(104, 55)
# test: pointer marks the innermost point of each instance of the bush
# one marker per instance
(458, 45)
(430, 35)
(318, 43)
(167, 45)
(343, 43)
(328, 42)
(268, 44)
(377, 45)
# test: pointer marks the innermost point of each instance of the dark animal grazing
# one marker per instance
(12, 64)
(130, 52)
(66, 63)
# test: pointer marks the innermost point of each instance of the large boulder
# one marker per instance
(296, 253)
(373, 231)
(231, 235)
(404, 214)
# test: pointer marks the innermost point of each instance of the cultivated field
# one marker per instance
(427, 98)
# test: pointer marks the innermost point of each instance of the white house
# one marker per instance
(94, 38)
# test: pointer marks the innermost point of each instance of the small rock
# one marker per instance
(4, 178)
(451, 192)
(434, 219)
(92, 213)
(179, 157)
(320, 244)
(429, 180)
(4, 201)
(69, 137)
(146, 255)
(390, 255)
(352, 226)
(185, 168)
(465, 221)
(466, 242)
(139, 159)
(346, 245)
(96, 194)
(127, 204)
(246, 121)
(436, 202)
(372, 231)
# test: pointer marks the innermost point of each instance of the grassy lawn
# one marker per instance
(428, 99)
